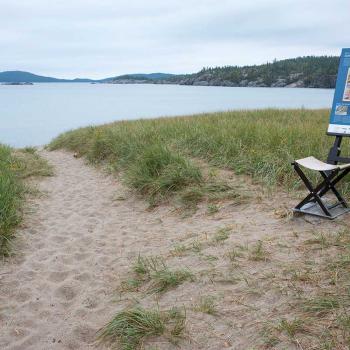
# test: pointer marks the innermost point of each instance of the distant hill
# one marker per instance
(140, 77)
(310, 71)
(153, 76)
(19, 76)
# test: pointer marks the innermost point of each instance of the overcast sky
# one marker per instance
(101, 38)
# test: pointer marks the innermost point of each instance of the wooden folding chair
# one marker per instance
(332, 172)
(314, 202)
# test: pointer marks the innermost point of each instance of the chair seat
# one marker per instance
(313, 163)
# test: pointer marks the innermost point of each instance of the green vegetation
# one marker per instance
(290, 327)
(212, 209)
(130, 327)
(207, 305)
(11, 193)
(321, 304)
(233, 254)
(179, 250)
(166, 279)
(15, 166)
(258, 252)
(310, 71)
(155, 156)
(154, 271)
(222, 234)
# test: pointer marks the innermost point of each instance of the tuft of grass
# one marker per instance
(319, 239)
(179, 250)
(11, 196)
(154, 270)
(321, 305)
(165, 279)
(176, 324)
(206, 305)
(157, 172)
(233, 254)
(212, 209)
(258, 252)
(145, 265)
(196, 246)
(269, 335)
(192, 196)
(222, 234)
(291, 328)
(130, 328)
(141, 266)
(30, 164)
(212, 191)
(131, 285)
(209, 257)
(15, 167)
(31, 150)
(218, 190)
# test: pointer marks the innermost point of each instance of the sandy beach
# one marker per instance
(80, 237)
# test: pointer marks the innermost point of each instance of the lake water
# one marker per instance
(34, 114)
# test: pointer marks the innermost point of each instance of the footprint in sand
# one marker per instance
(60, 239)
(81, 256)
(82, 277)
(58, 276)
(66, 292)
(84, 333)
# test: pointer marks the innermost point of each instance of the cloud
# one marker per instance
(104, 38)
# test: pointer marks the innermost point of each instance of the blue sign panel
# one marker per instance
(339, 122)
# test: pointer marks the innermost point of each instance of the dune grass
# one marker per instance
(15, 166)
(154, 271)
(156, 154)
(131, 327)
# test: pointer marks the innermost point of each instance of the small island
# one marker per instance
(17, 83)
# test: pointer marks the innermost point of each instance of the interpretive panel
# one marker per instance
(339, 122)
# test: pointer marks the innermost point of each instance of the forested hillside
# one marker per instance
(310, 71)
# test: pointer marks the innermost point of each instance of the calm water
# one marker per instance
(33, 115)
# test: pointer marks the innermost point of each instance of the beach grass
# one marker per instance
(15, 167)
(131, 327)
(156, 155)
(154, 270)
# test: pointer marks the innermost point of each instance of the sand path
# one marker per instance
(58, 289)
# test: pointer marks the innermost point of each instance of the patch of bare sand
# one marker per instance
(77, 246)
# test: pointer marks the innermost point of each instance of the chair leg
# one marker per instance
(333, 182)
(323, 207)
(331, 186)
(314, 192)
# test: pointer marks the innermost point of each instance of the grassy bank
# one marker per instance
(155, 154)
(15, 166)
